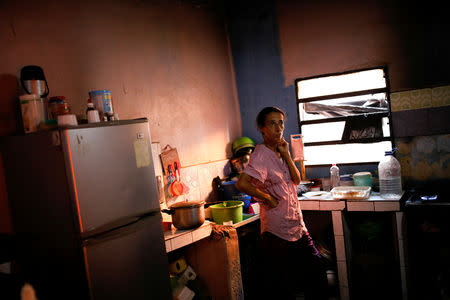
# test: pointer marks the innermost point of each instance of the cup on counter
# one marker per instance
(93, 116)
(67, 120)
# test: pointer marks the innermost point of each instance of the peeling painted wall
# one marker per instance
(275, 42)
(165, 60)
(326, 36)
(423, 154)
(424, 158)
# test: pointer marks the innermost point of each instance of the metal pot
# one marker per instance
(187, 215)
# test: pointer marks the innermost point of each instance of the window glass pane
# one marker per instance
(333, 131)
(348, 106)
(344, 83)
(322, 132)
(385, 126)
(346, 153)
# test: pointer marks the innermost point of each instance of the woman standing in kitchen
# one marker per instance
(289, 257)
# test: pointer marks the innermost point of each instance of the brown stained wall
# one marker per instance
(326, 36)
(164, 60)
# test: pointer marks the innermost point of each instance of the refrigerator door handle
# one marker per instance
(114, 225)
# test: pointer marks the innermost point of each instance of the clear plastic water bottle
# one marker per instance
(389, 175)
(334, 176)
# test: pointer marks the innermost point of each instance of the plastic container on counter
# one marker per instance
(351, 192)
(389, 175)
(362, 179)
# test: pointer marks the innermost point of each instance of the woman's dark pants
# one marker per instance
(291, 266)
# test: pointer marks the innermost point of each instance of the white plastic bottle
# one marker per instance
(389, 175)
(334, 176)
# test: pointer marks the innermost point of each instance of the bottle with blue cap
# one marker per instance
(390, 179)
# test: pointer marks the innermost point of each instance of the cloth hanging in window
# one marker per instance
(358, 128)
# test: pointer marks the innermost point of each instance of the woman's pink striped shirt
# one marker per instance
(271, 174)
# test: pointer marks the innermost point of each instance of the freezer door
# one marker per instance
(111, 172)
(129, 263)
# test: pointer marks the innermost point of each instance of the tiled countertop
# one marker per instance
(373, 203)
(326, 202)
(176, 238)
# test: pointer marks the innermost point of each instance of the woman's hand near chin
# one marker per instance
(283, 147)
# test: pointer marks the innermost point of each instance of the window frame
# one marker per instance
(387, 114)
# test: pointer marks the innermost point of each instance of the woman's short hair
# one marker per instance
(261, 118)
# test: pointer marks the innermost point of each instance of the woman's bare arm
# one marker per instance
(283, 148)
(244, 184)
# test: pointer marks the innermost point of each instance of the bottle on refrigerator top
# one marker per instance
(334, 176)
(389, 176)
(91, 113)
(90, 105)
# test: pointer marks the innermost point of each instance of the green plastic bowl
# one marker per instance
(227, 211)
